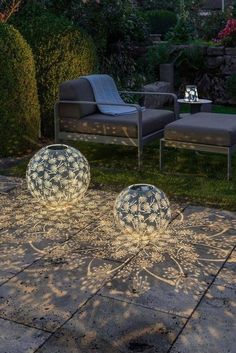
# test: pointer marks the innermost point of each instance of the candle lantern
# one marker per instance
(191, 94)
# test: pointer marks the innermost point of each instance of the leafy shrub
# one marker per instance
(210, 25)
(189, 64)
(160, 21)
(116, 28)
(107, 21)
(183, 32)
(124, 69)
(228, 35)
(192, 58)
(157, 55)
(158, 4)
(172, 5)
(62, 51)
(231, 83)
(186, 27)
(19, 107)
(234, 8)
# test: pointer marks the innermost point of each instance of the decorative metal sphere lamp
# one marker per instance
(58, 175)
(191, 93)
(142, 209)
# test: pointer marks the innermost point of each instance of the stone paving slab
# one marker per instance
(188, 262)
(107, 325)
(155, 290)
(109, 291)
(29, 231)
(16, 257)
(212, 327)
(23, 217)
(210, 218)
(227, 276)
(48, 293)
(7, 184)
(16, 338)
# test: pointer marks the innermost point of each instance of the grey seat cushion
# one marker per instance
(123, 126)
(204, 128)
(76, 90)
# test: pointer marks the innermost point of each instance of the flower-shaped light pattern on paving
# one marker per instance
(172, 256)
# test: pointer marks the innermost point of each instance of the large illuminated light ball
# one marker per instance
(142, 209)
(58, 175)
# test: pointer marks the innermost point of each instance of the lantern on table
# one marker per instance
(191, 93)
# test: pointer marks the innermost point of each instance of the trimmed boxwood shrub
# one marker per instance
(160, 21)
(19, 106)
(62, 52)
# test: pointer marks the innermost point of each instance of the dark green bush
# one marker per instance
(108, 21)
(158, 4)
(117, 29)
(190, 65)
(234, 8)
(19, 107)
(157, 55)
(211, 25)
(182, 33)
(160, 21)
(231, 83)
(61, 50)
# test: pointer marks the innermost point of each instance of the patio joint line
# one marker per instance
(181, 211)
(144, 306)
(26, 325)
(201, 299)
(22, 270)
(46, 253)
(91, 297)
(84, 304)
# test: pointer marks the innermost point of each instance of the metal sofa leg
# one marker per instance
(229, 164)
(161, 159)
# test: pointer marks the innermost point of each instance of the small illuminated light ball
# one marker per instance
(142, 209)
(58, 175)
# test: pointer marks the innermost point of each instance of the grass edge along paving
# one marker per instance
(199, 178)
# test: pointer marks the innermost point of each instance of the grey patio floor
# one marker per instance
(71, 282)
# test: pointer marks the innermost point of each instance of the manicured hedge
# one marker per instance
(19, 106)
(159, 21)
(61, 50)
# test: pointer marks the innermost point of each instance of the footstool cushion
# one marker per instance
(203, 128)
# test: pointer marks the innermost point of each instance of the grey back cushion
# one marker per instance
(76, 90)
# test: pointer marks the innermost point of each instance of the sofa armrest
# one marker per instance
(175, 99)
(100, 103)
(136, 106)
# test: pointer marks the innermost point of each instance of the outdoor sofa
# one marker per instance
(77, 118)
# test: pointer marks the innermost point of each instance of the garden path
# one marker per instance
(71, 282)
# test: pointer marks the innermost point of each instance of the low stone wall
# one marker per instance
(212, 81)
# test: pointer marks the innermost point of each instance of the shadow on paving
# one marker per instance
(74, 275)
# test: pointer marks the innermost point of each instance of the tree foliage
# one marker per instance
(116, 28)
(8, 8)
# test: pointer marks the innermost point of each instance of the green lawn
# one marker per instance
(198, 178)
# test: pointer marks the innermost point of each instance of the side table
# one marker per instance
(195, 107)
